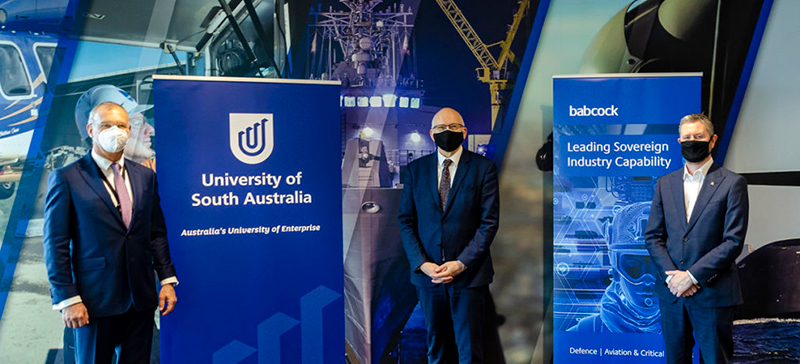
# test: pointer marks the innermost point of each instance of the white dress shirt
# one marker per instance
(691, 189)
(453, 166)
(692, 185)
(108, 172)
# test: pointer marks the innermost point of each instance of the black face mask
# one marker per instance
(448, 140)
(695, 150)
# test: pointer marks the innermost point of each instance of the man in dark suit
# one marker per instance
(104, 237)
(696, 230)
(448, 218)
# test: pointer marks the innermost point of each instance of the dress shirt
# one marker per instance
(108, 172)
(692, 185)
(453, 166)
(691, 189)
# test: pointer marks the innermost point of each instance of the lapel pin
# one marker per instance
(712, 183)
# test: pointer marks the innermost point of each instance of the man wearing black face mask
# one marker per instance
(448, 218)
(696, 230)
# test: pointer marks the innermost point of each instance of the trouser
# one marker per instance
(454, 316)
(712, 327)
(130, 335)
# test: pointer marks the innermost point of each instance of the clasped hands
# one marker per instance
(681, 284)
(444, 273)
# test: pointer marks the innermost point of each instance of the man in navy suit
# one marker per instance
(448, 218)
(696, 230)
(104, 237)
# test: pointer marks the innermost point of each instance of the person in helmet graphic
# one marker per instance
(629, 303)
(139, 148)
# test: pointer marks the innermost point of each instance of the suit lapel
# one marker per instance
(710, 185)
(461, 171)
(91, 174)
(136, 188)
(680, 203)
(432, 170)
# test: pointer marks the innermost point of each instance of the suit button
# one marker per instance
(681, 261)
(685, 239)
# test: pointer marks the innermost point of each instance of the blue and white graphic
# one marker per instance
(614, 135)
(255, 224)
(251, 137)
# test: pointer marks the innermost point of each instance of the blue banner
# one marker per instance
(613, 136)
(622, 99)
(249, 176)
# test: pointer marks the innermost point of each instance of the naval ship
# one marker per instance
(368, 46)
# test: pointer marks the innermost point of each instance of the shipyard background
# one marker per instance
(400, 61)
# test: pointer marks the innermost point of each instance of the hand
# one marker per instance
(691, 291)
(448, 271)
(430, 270)
(167, 299)
(680, 283)
(75, 316)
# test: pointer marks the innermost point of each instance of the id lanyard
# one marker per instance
(113, 190)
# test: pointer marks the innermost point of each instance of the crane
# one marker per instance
(492, 70)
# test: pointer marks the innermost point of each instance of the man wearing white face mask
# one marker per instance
(139, 147)
(104, 236)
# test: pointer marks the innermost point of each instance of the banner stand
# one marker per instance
(613, 135)
(249, 183)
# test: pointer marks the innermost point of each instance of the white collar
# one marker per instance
(105, 164)
(703, 171)
(455, 157)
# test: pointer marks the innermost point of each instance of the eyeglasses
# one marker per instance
(452, 127)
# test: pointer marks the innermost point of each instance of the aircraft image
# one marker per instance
(28, 39)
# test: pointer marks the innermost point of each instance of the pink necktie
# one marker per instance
(122, 195)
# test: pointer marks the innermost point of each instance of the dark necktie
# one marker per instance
(122, 196)
(444, 185)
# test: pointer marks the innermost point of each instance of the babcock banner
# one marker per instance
(614, 135)
(249, 181)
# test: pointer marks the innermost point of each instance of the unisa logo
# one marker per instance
(251, 137)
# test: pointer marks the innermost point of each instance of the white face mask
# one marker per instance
(113, 139)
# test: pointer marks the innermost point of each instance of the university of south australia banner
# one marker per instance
(249, 180)
(613, 136)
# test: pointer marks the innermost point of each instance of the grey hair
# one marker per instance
(697, 118)
(102, 105)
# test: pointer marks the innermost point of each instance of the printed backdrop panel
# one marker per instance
(613, 137)
(249, 183)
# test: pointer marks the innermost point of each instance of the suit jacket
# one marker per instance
(465, 229)
(87, 249)
(708, 245)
